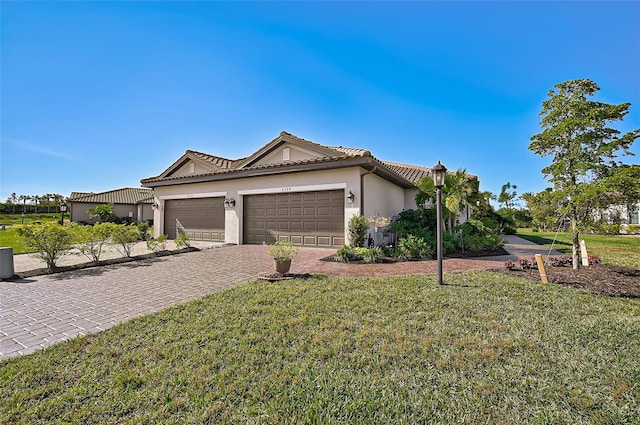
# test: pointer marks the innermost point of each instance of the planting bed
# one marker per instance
(601, 278)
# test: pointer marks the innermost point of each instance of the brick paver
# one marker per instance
(40, 311)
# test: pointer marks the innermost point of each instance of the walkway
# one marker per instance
(40, 311)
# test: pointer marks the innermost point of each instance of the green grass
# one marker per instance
(486, 348)
(9, 237)
(621, 250)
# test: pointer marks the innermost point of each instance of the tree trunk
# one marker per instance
(576, 243)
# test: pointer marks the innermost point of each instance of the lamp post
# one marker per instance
(63, 209)
(439, 173)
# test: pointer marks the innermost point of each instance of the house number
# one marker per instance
(286, 189)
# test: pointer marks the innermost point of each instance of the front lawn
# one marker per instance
(617, 250)
(485, 348)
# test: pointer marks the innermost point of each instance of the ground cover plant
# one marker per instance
(484, 348)
(616, 250)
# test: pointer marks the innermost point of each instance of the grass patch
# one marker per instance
(9, 236)
(484, 348)
(619, 250)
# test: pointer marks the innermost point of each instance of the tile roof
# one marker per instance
(127, 195)
(412, 173)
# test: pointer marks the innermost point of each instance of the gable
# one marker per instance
(190, 167)
(287, 152)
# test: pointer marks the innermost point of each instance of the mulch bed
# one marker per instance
(275, 277)
(111, 261)
(600, 278)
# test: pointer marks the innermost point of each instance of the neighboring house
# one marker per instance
(290, 189)
(620, 214)
(135, 203)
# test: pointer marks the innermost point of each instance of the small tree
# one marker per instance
(357, 228)
(49, 240)
(124, 237)
(103, 214)
(583, 149)
(508, 195)
(91, 239)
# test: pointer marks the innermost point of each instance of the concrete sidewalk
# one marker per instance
(518, 247)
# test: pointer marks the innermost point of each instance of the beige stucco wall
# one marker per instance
(295, 154)
(382, 196)
(80, 211)
(186, 169)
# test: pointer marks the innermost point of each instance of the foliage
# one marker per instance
(554, 261)
(282, 250)
(415, 248)
(49, 241)
(487, 348)
(157, 244)
(91, 239)
(633, 229)
(347, 254)
(477, 236)
(508, 195)
(124, 237)
(182, 241)
(583, 149)
(420, 222)
(458, 191)
(103, 214)
(543, 207)
(619, 250)
(357, 228)
(143, 229)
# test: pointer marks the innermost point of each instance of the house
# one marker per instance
(290, 189)
(135, 203)
(620, 214)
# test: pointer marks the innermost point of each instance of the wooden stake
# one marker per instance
(541, 269)
(583, 252)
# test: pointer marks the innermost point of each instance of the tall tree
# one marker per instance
(583, 148)
(508, 195)
(457, 192)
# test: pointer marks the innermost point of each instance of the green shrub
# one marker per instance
(49, 241)
(157, 244)
(282, 251)
(91, 239)
(633, 229)
(482, 243)
(421, 222)
(124, 237)
(413, 247)
(357, 229)
(143, 229)
(182, 241)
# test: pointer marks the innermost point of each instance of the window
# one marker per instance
(286, 154)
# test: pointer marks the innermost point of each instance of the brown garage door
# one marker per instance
(202, 219)
(304, 218)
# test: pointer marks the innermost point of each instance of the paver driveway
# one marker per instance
(40, 311)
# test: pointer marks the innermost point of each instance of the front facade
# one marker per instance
(291, 189)
(135, 203)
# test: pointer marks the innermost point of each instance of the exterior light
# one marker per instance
(350, 197)
(439, 173)
(63, 209)
(229, 202)
(154, 206)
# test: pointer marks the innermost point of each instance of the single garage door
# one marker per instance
(202, 219)
(304, 218)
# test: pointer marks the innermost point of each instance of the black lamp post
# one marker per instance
(63, 209)
(439, 172)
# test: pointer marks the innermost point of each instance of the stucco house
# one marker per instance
(290, 189)
(133, 202)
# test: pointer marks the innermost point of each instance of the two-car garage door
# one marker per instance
(302, 218)
(202, 219)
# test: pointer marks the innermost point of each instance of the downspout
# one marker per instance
(375, 167)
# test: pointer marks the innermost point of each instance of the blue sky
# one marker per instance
(98, 95)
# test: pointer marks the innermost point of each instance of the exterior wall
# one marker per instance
(80, 211)
(185, 170)
(621, 214)
(382, 199)
(347, 179)
(295, 154)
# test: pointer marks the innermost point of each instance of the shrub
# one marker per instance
(49, 240)
(182, 241)
(357, 228)
(421, 222)
(282, 251)
(125, 237)
(157, 244)
(91, 239)
(633, 229)
(413, 247)
(103, 214)
(348, 254)
(143, 229)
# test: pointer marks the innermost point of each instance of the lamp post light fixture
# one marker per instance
(229, 202)
(439, 172)
(63, 209)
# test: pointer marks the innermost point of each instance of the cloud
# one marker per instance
(43, 150)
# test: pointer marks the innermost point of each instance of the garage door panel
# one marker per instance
(199, 218)
(303, 218)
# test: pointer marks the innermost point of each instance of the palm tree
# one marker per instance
(458, 190)
(13, 200)
(24, 198)
(36, 198)
(507, 195)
